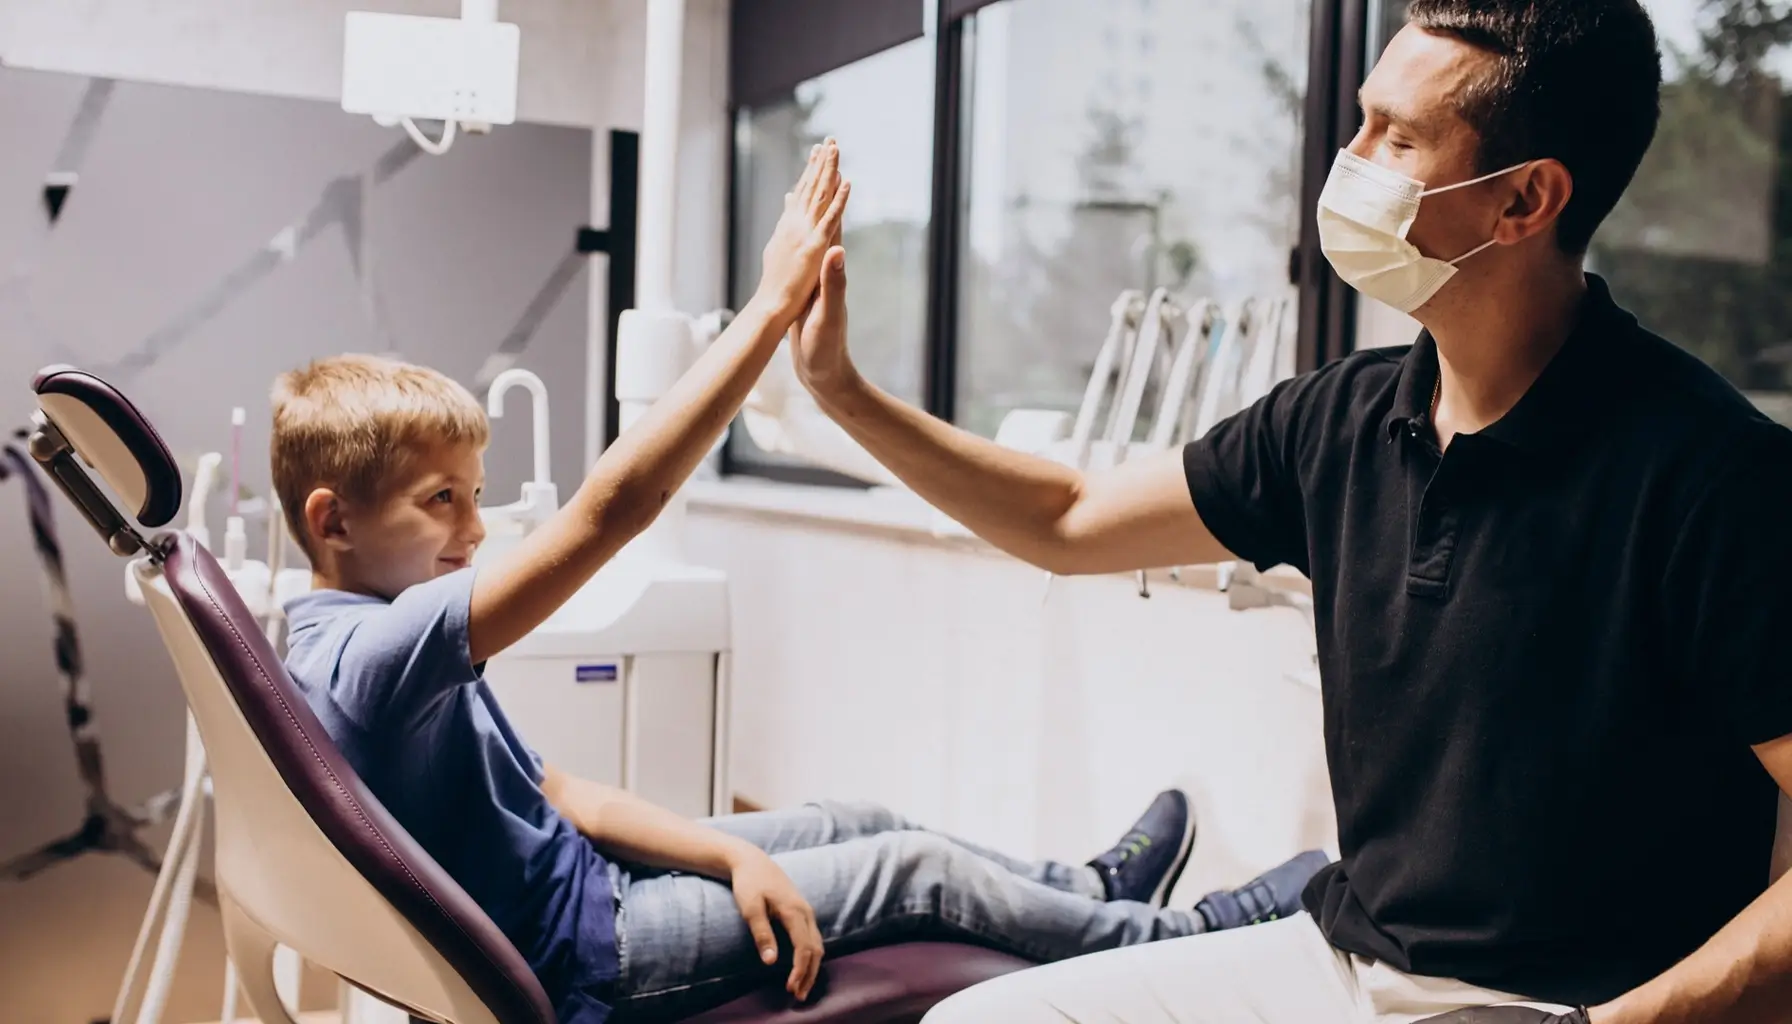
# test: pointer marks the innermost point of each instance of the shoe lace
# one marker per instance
(1134, 845)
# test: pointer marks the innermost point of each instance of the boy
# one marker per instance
(614, 903)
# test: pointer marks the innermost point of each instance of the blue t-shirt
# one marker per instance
(394, 685)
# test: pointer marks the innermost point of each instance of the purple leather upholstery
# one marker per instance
(887, 985)
(162, 496)
(335, 798)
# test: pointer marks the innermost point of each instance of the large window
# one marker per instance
(1020, 164)
(1115, 144)
(1700, 247)
(881, 110)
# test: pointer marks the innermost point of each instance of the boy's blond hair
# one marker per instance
(349, 422)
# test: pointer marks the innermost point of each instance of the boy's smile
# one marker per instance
(425, 527)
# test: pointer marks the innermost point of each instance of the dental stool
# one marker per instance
(306, 857)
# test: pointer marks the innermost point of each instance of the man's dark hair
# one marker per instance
(1576, 80)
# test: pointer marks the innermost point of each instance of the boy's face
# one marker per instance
(426, 527)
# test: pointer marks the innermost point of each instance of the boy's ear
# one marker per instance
(324, 519)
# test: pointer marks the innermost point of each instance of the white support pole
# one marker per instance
(656, 343)
(659, 154)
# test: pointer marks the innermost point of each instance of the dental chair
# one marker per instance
(306, 857)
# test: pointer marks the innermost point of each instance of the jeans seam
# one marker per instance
(954, 921)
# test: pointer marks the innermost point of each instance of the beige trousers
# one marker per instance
(1283, 972)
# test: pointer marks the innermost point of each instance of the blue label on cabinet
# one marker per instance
(604, 673)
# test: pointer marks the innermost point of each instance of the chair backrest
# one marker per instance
(304, 851)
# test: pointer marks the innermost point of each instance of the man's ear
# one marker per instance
(325, 521)
(1543, 193)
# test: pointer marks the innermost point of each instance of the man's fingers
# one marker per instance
(833, 281)
(759, 923)
(829, 224)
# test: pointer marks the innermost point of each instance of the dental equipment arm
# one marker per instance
(635, 477)
(1136, 516)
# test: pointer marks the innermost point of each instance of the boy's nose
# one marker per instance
(473, 527)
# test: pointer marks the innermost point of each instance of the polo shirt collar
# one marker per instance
(1558, 405)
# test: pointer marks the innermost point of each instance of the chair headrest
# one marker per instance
(114, 438)
(82, 415)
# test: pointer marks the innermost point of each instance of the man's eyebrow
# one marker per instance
(1424, 127)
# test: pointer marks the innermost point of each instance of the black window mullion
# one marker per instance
(1335, 67)
(944, 237)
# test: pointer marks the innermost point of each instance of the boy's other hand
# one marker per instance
(765, 893)
(810, 223)
(818, 342)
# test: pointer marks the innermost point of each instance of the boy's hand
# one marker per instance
(765, 892)
(809, 224)
(818, 342)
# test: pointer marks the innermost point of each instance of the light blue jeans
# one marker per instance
(873, 878)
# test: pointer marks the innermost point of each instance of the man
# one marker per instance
(1548, 566)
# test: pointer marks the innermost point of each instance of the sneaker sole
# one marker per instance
(1161, 895)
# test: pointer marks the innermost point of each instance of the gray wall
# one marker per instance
(179, 187)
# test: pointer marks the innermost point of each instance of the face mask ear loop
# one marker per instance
(1474, 181)
(1484, 245)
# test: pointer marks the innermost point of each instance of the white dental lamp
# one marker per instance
(402, 68)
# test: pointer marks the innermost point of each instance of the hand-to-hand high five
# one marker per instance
(808, 230)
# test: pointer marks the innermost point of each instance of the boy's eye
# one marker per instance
(445, 496)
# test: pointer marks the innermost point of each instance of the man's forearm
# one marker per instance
(628, 827)
(1015, 501)
(1742, 976)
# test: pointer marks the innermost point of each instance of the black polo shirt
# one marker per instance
(1545, 652)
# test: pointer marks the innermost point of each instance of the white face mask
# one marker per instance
(1365, 211)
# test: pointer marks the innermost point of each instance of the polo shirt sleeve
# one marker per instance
(1729, 588)
(403, 656)
(1244, 478)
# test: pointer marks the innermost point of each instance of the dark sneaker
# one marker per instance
(1145, 865)
(1271, 895)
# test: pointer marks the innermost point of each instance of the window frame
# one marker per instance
(1338, 40)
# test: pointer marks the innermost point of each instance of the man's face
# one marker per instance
(427, 526)
(1410, 124)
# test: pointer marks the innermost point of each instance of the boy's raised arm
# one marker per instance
(635, 477)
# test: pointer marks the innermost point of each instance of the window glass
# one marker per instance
(881, 111)
(1117, 145)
